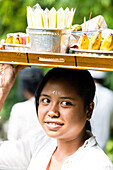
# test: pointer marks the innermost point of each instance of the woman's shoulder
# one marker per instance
(99, 154)
(91, 156)
(40, 141)
(98, 159)
(96, 156)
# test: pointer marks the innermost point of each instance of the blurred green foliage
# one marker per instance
(109, 149)
(13, 18)
(13, 13)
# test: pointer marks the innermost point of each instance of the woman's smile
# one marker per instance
(53, 125)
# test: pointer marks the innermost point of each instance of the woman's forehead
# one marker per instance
(62, 81)
(61, 84)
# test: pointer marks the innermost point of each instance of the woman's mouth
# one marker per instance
(53, 125)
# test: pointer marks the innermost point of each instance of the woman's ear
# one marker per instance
(89, 110)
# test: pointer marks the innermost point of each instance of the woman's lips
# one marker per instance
(53, 125)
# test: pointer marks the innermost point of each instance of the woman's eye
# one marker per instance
(45, 101)
(66, 103)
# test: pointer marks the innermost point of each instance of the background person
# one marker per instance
(102, 115)
(23, 119)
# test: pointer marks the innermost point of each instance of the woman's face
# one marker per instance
(61, 110)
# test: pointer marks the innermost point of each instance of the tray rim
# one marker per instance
(91, 51)
(16, 45)
(63, 60)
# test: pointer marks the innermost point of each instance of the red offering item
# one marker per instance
(23, 40)
(2, 47)
(74, 46)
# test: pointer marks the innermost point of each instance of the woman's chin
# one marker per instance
(52, 134)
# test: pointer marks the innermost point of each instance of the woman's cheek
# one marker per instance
(41, 113)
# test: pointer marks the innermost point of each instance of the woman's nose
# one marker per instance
(53, 114)
(54, 110)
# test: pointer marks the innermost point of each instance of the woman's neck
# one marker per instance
(66, 148)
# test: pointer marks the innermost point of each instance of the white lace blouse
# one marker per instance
(35, 154)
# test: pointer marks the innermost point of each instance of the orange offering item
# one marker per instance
(107, 44)
(95, 40)
(10, 39)
(83, 42)
(27, 40)
(17, 39)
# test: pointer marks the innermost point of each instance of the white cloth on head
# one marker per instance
(98, 74)
(35, 153)
(101, 117)
(23, 120)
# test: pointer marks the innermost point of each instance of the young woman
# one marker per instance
(64, 104)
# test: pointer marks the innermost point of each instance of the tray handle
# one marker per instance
(58, 60)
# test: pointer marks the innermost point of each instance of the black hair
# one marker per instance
(81, 79)
(30, 78)
(100, 81)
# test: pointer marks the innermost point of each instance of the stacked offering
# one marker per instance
(16, 41)
(18, 38)
(39, 18)
(49, 30)
(96, 42)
